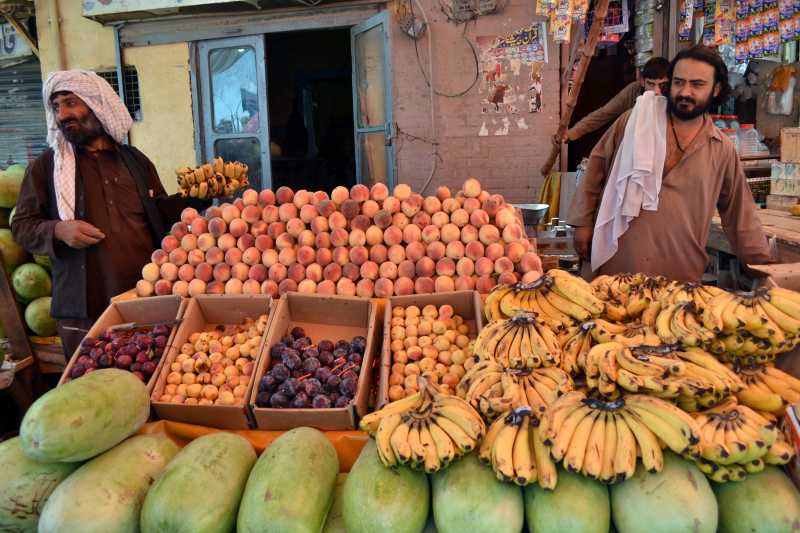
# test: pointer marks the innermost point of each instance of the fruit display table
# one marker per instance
(782, 225)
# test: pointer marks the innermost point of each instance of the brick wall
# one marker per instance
(507, 164)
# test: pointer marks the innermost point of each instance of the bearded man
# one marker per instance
(654, 180)
(94, 205)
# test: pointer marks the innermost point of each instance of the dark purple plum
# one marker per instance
(298, 332)
(136, 367)
(349, 374)
(280, 372)
(358, 344)
(105, 360)
(311, 365)
(291, 359)
(161, 341)
(124, 362)
(148, 367)
(348, 387)
(289, 387)
(77, 371)
(310, 352)
(312, 387)
(322, 374)
(342, 401)
(301, 344)
(277, 350)
(267, 383)
(321, 402)
(278, 400)
(138, 375)
(332, 385)
(342, 345)
(300, 401)
(326, 358)
(262, 399)
(325, 346)
(356, 358)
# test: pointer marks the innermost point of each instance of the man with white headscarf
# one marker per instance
(93, 204)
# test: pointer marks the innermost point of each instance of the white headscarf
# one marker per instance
(101, 98)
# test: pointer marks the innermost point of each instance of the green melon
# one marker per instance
(577, 505)
(37, 317)
(10, 184)
(334, 522)
(43, 260)
(31, 281)
(13, 254)
(761, 503)
(679, 498)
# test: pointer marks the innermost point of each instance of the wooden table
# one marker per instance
(779, 224)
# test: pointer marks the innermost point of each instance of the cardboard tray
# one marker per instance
(204, 311)
(143, 311)
(322, 317)
(466, 304)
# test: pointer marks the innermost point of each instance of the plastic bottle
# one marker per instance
(733, 122)
(748, 140)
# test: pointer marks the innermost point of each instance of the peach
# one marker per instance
(459, 217)
(326, 287)
(505, 216)
(339, 237)
(214, 255)
(471, 204)
(350, 208)
(396, 253)
(415, 251)
(359, 255)
(229, 212)
(387, 270)
(359, 192)
(264, 242)
(384, 288)
(222, 272)
(284, 194)
(237, 227)
(287, 212)
(402, 191)
(455, 250)
(251, 256)
(317, 197)
(431, 233)
(411, 205)
(369, 270)
(217, 227)
(186, 273)
(257, 272)
(195, 257)
(436, 250)
(301, 198)
(515, 251)
(400, 220)
(259, 227)
(337, 221)
(215, 287)
(485, 284)
(513, 232)
(440, 218)
(319, 224)
(251, 286)
(360, 222)
(370, 208)
(465, 267)
(269, 257)
(276, 229)
(450, 232)
(407, 269)
(341, 255)
(503, 264)
(266, 197)
(233, 286)
(322, 240)
(297, 272)
(450, 205)
(357, 238)
(469, 233)
(351, 271)
(294, 227)
(373, 235)
(204, 272)
(314, 272)
(307, 286)
(465, 283)
(287, 256)
(226, 241)
(531, 276)
(484, 266)
(188, 215)
(168, 271)
(233, 256)
(287, 285)
(197, 286)
(305, 255)
(494, 251)
(393, 235)
(151, 272)
(326, 208)
(478, 218)
(163, 287)
(412, 233)
(308, 213)
(332, 272)
(404, 286)
(383, 219)
(178, 256)
(432, 205)
(213, 211)
(443, 193)
(251, 214)
(391, 204)
(530, 262)
(178, 230)
(199, 226)
(270, 287)
(284, 241)
(425, 267)
(247, 241)
(240, 271)
(324, 256)
(277, 272)
(424, 285)
(483, 196)
(507, 278)
(270, 214)
(444, 284)
(365, 288)
(379, 192)
(526, 243)
(445, 267)
(490, 206)
(169, 243)
(474, 250)
(421, 219)
(489, 234)
(340, 195)
(346, 287)
(378, 253)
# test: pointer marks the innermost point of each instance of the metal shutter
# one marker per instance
(23, 129)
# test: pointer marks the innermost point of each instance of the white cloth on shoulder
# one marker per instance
(107, 106)
(634, 182)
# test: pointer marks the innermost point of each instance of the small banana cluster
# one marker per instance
(514, 448)
(558, 299)
(767, 388)
(735, 441)
(212, 180)
(493, 390)
(522, 341)
(682, 323)
(602, 439)
(629, 296)
(575, 343)
(426, 430)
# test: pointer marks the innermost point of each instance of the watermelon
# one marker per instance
(219, 460)
(25, 486)
(85, 417)
(31, 281)
(37, 317)
(577, 505)
(105, 495)
(13, 254)
(467, 496)
(291, 486)
(378, 499)
(10, 184)
(761, 503)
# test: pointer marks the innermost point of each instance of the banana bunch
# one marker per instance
(677, 292)
(575, 343)
(522, 341)
(212, 180)
(781, 451)
(493, 390)
(682, 323)
(767, 388)
(558, 299)
(426, 430)
(516, 451)
(601, 439)
(632, 334)
(630, 296)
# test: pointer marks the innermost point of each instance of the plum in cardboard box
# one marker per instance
(322, 317)
(153, 310)
(205, 313)
(466, 304)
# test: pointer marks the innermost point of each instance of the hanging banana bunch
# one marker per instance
(212, 180)
(522, 341)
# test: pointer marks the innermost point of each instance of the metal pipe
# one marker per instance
(54, 21)
(120, 74)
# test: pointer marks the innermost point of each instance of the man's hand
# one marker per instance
(77, 233)
(583, 241)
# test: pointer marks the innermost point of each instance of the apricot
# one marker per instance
(340, 195)
(257, 272)
(407, 269)
(297, 272)
(484, 284)
(308, 213)
(337, 221)
(197, 286)
(459, 217)
(430, 234)
(251, 286)
(177, 257)
(455, 250)
(391, 205)
(277, 272)
(450, 232)
(440, 218)
(322, 240)
(266, 197)
(286, 212)
(360, 222)
(233, 286)
(270, 214)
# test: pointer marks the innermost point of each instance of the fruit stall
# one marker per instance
(373, 361)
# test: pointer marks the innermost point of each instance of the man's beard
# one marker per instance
(673, 106)
(89, 129)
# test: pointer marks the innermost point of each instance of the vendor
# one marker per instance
(652, 77)
(89, 202)
(653, 182)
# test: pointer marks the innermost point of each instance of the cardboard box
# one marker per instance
(785, 179)
(142, 311)
(781, 203)
(322, 317)
(790, 145)
(202, 314)
(466, 304)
